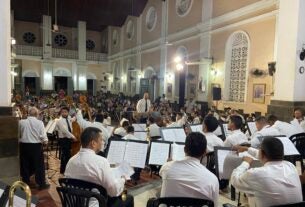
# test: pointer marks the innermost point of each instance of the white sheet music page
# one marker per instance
(19, 202)
(221, 156)
(140, 135)
(196, 128)
(123, 169)
(178, 152)
(252, 127)
(180, 135)
(116, 152)
(136, 153)
(139, 127)
(169, 135)
(159, 153)
(226, 130)
(48, 125)
(289, 147)
(52, 126)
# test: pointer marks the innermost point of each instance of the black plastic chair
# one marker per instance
(73, 197)
(211, 162)
(179, 201)
(83, 185)
(299, 141)
(300, 204)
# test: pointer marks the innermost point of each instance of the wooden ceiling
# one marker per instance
(97, 13)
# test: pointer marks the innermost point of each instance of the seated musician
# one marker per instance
(180, 121)
(189, 178)
(209, 125)
(237, 136)
(196, 118)
(130, 134)
(121, 130)
(88, 166)
(275, 183)
(283, 127)
(155, 122)
(263, 129)
(299, 119)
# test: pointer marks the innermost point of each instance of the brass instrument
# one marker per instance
(124, 195)
(25, 188)
(147, 134)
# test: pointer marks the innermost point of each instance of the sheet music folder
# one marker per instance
(173, 134)
(132, 151)
(159, 152)
(220, 155)
(19, 197)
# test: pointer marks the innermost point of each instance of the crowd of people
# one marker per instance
(266, 185)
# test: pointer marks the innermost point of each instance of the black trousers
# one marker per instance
(32, 162)
(117, 202)
(65, 153)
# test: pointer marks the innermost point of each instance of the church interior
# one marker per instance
(151, 101)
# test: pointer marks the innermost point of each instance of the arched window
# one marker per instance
(237, 55)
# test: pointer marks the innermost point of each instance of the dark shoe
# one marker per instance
(44, 186)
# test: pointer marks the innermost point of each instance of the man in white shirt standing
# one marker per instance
(143, 107)
(188, 177)
(276, 183)
(299, 120)
(263, 129)
(33, 137)
(237, 137)
(88, 166)
(64, 129)
(283, 127)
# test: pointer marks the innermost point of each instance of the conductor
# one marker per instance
(143, 107)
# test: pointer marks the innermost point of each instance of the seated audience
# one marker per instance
(209, 125)
(188, 177)
(298, 120)
(237, 137)
(263, 129)
(276, 182)
(283, 127)
(88, 166)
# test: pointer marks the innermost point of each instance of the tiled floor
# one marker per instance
(148, 187)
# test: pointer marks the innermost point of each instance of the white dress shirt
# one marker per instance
(299, 124)
(85, 124)
(286, 129)
(32, 131)
(273, 184)
(196, 120)
(88, 166)
(120, 131)
(154, 130)
(189, 178)
(62, 128)
(212, 141)
(130, 137)
(236, 138)
(265, 131)
(142, 104)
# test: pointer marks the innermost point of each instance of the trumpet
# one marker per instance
(25, 188)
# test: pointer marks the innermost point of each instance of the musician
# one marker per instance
(210, 124)
(155, 121)
(196, 118)
(237, 137)
(299, 120)
(188, 177)
(143, 107)
(88, 166)
(121, 131)
(263, 129)
(33, 137)
(130, 134)
(283, 127)
(275, 183)
(64, 129)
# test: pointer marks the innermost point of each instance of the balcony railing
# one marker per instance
(94, 56)
(28, 50)
(64, 53)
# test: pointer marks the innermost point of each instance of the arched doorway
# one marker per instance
(63, 80)
(31, 82)
(148, 83)
(91, 84)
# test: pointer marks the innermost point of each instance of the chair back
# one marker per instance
(300, 204)
(73, 197)
(211, 162)
(179, 201)
(299, 141)
(81, 184)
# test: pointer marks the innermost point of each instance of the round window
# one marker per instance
(29, 37)
(60, 40)
(90, 45)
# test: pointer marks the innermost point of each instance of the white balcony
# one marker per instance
(94, 56)
(64, 53)
(27, 50)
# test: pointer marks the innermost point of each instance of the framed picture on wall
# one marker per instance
(259, 93)
(169, 90)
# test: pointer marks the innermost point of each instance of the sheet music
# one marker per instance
(221, 156)
(139, 127)
(178, 152)
(169, 135)
(226, 130)
(252, 127)
(52, 126)
(140, 135)
(159, 153)
(136, 153)
(218, 131)
(180, 135)
(20, 202)
(123, 169)
(116, 152)
(289, 147)
(196, 128)
(48, 125)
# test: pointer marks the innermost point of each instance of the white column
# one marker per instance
(163, 57)
(46, 77)
(81, 40)
(289, 82)
(47, 36)
(82, 76)
(5, 52)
